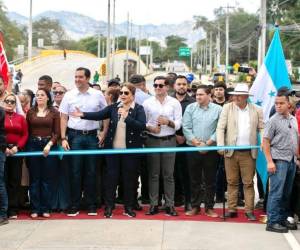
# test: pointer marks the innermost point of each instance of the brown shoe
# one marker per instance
(210, 212)
(193, 212)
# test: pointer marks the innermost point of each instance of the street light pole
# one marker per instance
(30, 32)
(113, 40)
(127, 47)
(262, 40)
(108, 46)
(99, 47)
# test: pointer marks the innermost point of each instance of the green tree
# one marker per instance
(173, 44)
(242, 33)
(48, 29)
(12, 34)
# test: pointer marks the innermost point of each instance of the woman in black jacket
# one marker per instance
(127, 121)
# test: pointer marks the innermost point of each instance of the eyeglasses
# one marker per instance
(10, 102)
(158, 85)
(124, 93)
(58, 92)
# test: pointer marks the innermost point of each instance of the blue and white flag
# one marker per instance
(272, 75)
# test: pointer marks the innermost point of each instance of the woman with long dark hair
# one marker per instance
(127, 121)
(44, 130)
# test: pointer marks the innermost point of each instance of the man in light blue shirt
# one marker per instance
(199, 128)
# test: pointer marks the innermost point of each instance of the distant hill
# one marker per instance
(78, 26)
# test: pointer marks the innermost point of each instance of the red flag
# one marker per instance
(4, 69)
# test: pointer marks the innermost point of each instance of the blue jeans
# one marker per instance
(42, 175)
(281, 184)
(83, 170)
(3, 193)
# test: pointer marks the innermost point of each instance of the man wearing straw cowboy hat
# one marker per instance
(239, 124)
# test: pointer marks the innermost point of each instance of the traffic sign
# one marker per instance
(184, 51)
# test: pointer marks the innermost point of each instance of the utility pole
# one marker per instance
(139, 51)
(218, 46)
(249, 51)
(205, 57)
(30, 32)
(99, 47)
(108, 46)
(103, 47)
(262, 38)
(191, 59)
(113, 40)
(127, 47)
(227, 40)
(210, 53)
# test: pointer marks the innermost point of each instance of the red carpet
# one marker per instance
(118, 215)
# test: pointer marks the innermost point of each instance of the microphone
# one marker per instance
(120, 105)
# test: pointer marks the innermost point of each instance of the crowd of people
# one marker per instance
(127, 116)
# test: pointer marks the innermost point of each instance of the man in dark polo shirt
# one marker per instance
(181, 173)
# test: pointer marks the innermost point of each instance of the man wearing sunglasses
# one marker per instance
(163, 115)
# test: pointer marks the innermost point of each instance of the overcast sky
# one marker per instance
(141, 11)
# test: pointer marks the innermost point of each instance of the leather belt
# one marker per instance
(242, 150)
(83, 132)
(164, 138)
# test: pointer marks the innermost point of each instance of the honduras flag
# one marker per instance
(272, 75)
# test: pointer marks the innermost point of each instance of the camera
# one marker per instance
(243, 69)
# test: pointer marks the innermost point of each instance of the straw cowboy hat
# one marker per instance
(240, 89)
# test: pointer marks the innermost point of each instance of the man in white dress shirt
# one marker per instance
(77, 134)
(164, 115)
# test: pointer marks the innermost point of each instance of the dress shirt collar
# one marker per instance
(204, 107)
(87, 92)
(245, 109)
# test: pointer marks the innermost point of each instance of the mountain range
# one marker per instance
(78, 26)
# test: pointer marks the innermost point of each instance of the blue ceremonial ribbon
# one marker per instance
(136, 150)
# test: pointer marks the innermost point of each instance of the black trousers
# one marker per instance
(182, 178)
(13, 175)
(205, 164)
(126, 166)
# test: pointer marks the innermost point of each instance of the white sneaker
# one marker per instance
(291, 220)
(72, 213)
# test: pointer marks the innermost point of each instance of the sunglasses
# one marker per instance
(124, 93)
(58, 92)
(158, 85)
(10, 101)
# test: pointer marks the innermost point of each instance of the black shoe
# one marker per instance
(108, 212)
(240, 203)
(129, 212)
(92, 212)
(137, 207)
(289, 225)
(250, 216)
(230, 215)
(73, 212)
(277, 228)
(171, 211)
(188, 207)
(3, 221)
(152, 210)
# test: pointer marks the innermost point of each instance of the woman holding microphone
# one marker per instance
(127, 121)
